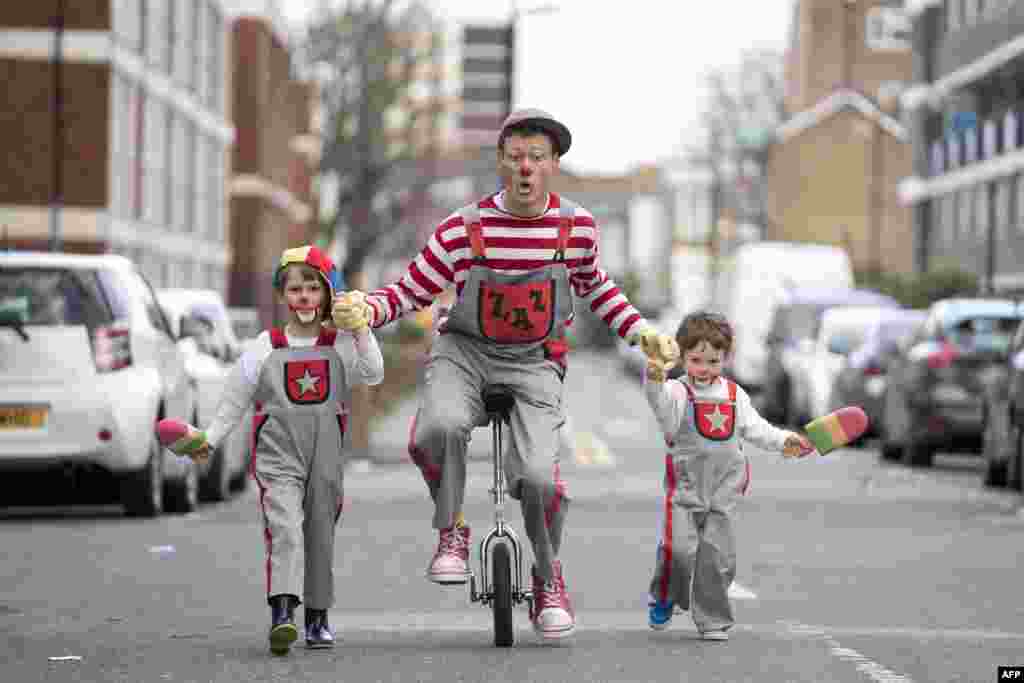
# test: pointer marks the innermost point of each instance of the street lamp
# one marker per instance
(515, 14)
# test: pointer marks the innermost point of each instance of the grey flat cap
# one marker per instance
(557, 129)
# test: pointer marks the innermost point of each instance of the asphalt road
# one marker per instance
(849, 570)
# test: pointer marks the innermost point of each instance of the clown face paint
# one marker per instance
(304, 296)
(703, 363)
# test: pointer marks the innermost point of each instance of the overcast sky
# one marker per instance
(624, 76)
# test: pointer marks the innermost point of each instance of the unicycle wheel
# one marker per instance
(501, 573)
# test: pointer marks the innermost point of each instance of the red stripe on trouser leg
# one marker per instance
(555, 505)
(666, 541)
(431, 472)
(268, 540)
(745, 486)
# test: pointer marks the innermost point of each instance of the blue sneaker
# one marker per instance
(659, 615)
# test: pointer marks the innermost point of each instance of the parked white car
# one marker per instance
(88, 364)
(201, 321)
(843, 330)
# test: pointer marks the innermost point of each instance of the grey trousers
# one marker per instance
(452, 406)
(696, 557)
(299, 469)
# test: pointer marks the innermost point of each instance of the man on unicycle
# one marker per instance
(516, 259)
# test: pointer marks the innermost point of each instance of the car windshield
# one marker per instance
(982, 333)
(51, 296)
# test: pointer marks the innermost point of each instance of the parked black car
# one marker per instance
(1003, 443)
(933, 400)
(862, 380)
(790, 344)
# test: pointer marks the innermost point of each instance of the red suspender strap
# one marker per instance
(474, 230)
(278, 339)
(689, 392)
(732, 390)
(326, 337)
(566, 218)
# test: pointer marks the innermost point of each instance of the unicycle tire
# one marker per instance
(501, 573)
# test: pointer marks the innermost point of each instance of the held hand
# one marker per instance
(796, 446)
(350, 311)
(657, 346)
(201, 454)
(657, 371)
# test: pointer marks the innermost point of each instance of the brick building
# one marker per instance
(834, 168)
(273, 197)
(967, 111)
(117, 142)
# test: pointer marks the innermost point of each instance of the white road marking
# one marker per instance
(872, 669)
(739, 592)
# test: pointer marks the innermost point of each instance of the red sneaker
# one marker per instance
(451, 561)
(551, 612)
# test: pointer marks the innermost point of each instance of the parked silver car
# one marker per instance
(210, 347)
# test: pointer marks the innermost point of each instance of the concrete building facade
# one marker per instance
(966, 188)
(116, 133)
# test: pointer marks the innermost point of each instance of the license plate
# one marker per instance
(22, 417)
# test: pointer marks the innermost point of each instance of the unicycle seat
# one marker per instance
(498, 403)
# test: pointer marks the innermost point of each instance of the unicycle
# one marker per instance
(501, 557)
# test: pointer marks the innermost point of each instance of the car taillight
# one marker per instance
(111, 348)
(872, 370)
(942, 357)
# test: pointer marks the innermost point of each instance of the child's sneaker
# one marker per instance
(715, 635)
(319, 634)
(451, 561)
(283, 631)
(659, 614)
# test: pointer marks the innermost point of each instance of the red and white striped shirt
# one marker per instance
(513, 245)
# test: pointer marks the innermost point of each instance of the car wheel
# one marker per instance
(1015, 474)
(918, 454)
(183, 494)
(215, 487)
(996, 467)
(142, 491)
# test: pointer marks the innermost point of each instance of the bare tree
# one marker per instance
(370, 55)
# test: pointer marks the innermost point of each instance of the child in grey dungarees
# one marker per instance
(299, 379)
(703, 416)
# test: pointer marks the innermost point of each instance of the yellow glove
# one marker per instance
(657, 371)
(657, 346)
(350, 312)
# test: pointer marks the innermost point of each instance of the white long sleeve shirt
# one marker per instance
(360, 354)
(669, 401)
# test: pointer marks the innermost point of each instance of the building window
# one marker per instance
(184, 44)
(1004, 194)
(964, 204)
(949, 218)
(953, 8)
(1018, 180)
(136, 128)
(154, 211)
(981, 215)
(198, 49)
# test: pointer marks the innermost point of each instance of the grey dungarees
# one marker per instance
(499, 333)
(705, 474)
(298, 464)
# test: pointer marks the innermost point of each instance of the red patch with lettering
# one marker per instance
(517, 313)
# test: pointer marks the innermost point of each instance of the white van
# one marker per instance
(754, 281)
